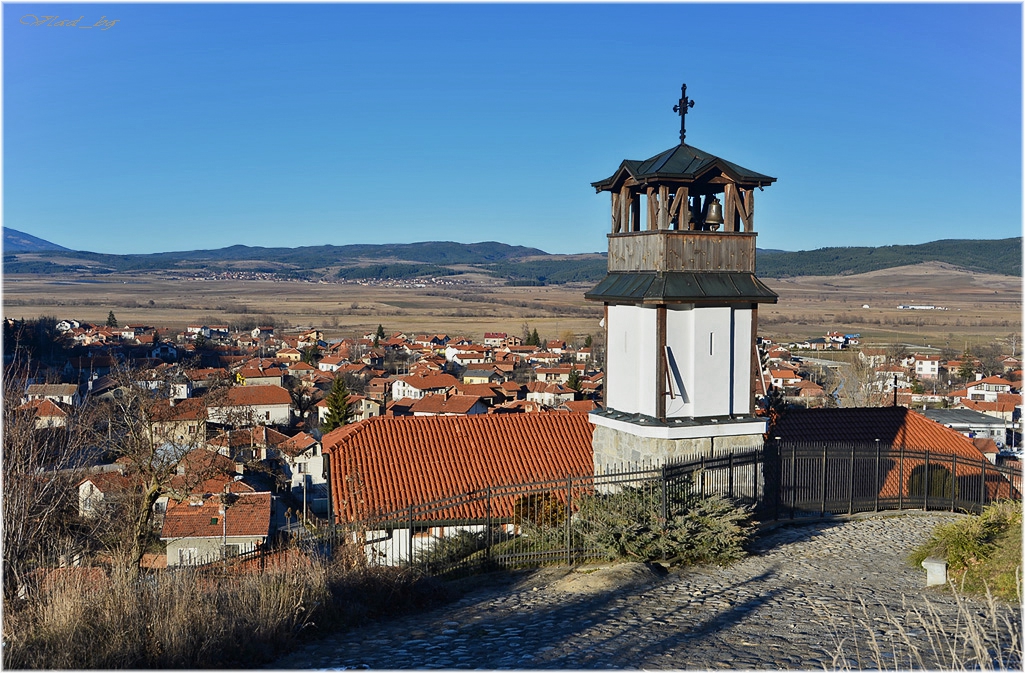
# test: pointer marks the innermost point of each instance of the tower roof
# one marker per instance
(681, 163)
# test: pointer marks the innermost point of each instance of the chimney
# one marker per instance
(978, 376)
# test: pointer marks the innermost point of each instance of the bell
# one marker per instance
(714, 217)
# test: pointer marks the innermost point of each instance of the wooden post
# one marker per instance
(660, 362)
(615, 213)
(635, 212)
(750, 210)
(663, 207)
(652, 209)
(730, 207)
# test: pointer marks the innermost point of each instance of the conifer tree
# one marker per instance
(111, 320)
(337, 405)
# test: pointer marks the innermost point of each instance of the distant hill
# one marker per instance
(1001, 256)
(19, 241)
(515, 264)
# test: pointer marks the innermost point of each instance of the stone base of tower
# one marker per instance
(618, 444)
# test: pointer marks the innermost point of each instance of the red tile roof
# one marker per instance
(386, 463)
(445, 404)
(191, 409)
(43, 408)
(990, 380)
(431, 381)
(298, 444)
(248, 516)
(892, 426)
(247, 396)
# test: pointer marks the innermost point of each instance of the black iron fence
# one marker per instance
(809, 479)
(538, 523)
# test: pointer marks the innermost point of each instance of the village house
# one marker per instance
(46, 414)
(549, 394)
(495, 339)
(249, 405)
(62, 393)
(209, 527)
(101, 490)
(927, 367)
(987, 389)
(416, 387)
(477, 376)
(303, 464)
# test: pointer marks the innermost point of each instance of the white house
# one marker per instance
(249, 405)
(927, 366)
(64, 393)
(416, 387)
(987, 389)
(303, 463)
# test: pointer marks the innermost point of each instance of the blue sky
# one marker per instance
(194, 126)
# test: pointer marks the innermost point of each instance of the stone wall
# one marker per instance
(614, 448)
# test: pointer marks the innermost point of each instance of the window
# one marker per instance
(302, 468)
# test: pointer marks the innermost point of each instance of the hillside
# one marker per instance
(1001, 256)
(19, 241)
(519, 265)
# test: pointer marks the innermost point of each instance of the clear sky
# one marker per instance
(195, 126)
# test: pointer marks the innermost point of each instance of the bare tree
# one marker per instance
(39, 482)
(138, 421)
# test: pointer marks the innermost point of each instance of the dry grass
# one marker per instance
(983, 636)
(188, 619)
(983, 307)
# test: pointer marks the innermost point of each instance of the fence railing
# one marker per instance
(537, 523)
(808, 479)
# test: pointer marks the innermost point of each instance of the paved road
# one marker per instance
(787, 606)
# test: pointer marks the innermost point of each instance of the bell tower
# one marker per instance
(681, 307)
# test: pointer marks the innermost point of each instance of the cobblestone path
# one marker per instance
(785, 607)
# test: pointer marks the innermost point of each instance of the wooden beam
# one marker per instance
(660, 363)
(624, 209)
(730, 208)
(751, 210)
(652, 205)
(663, 207)
(742, 200)
(615, 213)
(635, 212)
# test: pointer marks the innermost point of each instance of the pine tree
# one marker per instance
(535, 340)
(574, 380)
(588, 341)
(111, 320)
(380, 332)
(337, 406)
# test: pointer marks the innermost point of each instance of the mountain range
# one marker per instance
(516, 264)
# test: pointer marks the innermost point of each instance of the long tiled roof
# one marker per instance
(386, 463)
(892, 426)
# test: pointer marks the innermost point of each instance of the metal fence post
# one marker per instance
(982, 492)
(665, 493)
(900, 481)
(487, 530)
(793, 480)
(850, 490)
(925, 504)
(877, 477)
(731, 473)
(702, 476)
(953, 480)
(410, 535)
(569, 517)
(755, 489)
(822, 489)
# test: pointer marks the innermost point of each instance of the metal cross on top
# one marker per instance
(681, 107)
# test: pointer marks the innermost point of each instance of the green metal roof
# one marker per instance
(685, 163)
(681, 286)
